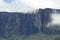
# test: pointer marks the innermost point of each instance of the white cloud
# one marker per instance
(43, 3)
(16, 6)
(28, 5)
(55, 20)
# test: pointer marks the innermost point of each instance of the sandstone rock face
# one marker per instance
(26, 24)
(19, 24)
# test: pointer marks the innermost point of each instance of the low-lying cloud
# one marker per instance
(28, 5)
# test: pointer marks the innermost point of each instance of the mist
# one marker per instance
(28, 5)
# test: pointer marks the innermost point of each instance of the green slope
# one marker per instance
(38, 36)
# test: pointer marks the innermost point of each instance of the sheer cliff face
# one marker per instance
(50, 21)
(19, 24)
(26, 24)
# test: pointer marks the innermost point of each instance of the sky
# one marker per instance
(8, 1)
(27, 5)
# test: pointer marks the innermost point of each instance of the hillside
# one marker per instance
(14, 24)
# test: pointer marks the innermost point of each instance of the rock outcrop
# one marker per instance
(14, 23)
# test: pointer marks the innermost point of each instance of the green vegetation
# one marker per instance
(41, 36)
(38, 36)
